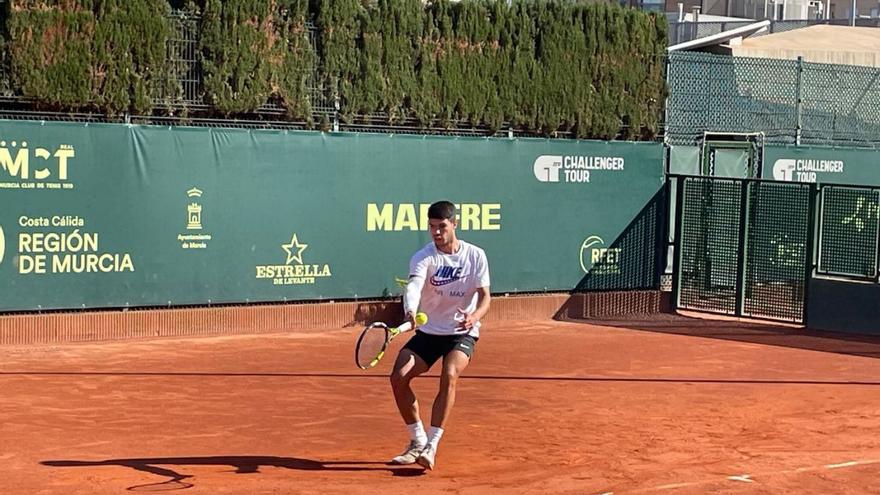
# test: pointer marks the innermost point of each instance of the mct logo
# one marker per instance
(784, 169)
(547, 168)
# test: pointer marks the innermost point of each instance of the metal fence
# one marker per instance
(748, 247)
(790, 101)
(743, 247)
(848, 231)
(185, 71)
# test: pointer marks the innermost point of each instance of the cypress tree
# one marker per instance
(5, 71)
(130, 50)
(339, 22)
(449, 63)
(468, 34)
(526, 71)
(496, 66)
(426, 98)
(539, 65)
(295, 72)
(402, 22)
(51, 52)
(369, 86)
(236, 54)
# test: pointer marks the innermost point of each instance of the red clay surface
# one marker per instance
(662, 406)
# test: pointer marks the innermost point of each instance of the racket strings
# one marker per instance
(371, 344)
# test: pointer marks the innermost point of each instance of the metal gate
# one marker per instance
(744, 246)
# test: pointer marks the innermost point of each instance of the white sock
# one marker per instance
(434, 435)
(417, 433)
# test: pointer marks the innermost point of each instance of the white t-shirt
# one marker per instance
(441, 283)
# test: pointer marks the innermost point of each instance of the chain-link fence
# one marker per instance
(184, 68)
(790, 101)
(743, 247)
(848, 231)
(748, 247)
(636, 259)
(777, 236)
(708, 244)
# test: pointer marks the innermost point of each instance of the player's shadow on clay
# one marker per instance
(241, 464)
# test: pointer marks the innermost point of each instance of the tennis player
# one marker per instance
(455, 298)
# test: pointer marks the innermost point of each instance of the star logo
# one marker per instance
(294, 247)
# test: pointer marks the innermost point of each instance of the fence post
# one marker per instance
(661, 244)
(743, 246)
(336, 113)
(800, 99)
(666, 103)
(680, 184)
(812, 240)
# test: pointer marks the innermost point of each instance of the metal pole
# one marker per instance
(799, 108)
(743, 258)
(676, 241)
(810, 260)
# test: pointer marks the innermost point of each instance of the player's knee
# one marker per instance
(399, 379)
(450, 375)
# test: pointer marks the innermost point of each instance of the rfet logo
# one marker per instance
(445, 275)
(597, 259)
(547, 168)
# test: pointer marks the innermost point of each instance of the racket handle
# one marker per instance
(421, 319)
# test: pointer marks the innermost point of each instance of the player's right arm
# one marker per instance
(418, 272)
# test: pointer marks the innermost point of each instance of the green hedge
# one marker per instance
(78, 54)
(5, 71)
(254, 51)
(541, 66)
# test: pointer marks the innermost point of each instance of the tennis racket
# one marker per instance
(374, 340)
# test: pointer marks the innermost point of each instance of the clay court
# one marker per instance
(667, 404)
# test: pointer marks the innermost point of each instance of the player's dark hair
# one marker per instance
(442, 210)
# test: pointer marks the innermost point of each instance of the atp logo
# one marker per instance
(784, 169)
(445, 275)
(2, 244)
(547, 167)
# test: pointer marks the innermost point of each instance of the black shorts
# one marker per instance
(432, 347)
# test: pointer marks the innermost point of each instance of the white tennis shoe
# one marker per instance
(426, 458)
(410, 455)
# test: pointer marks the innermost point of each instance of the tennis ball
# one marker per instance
(421, 318)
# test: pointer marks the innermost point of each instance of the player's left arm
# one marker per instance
(484, 300)
(484, 295)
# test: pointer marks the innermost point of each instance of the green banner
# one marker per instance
(822, 165)
(116, 215)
